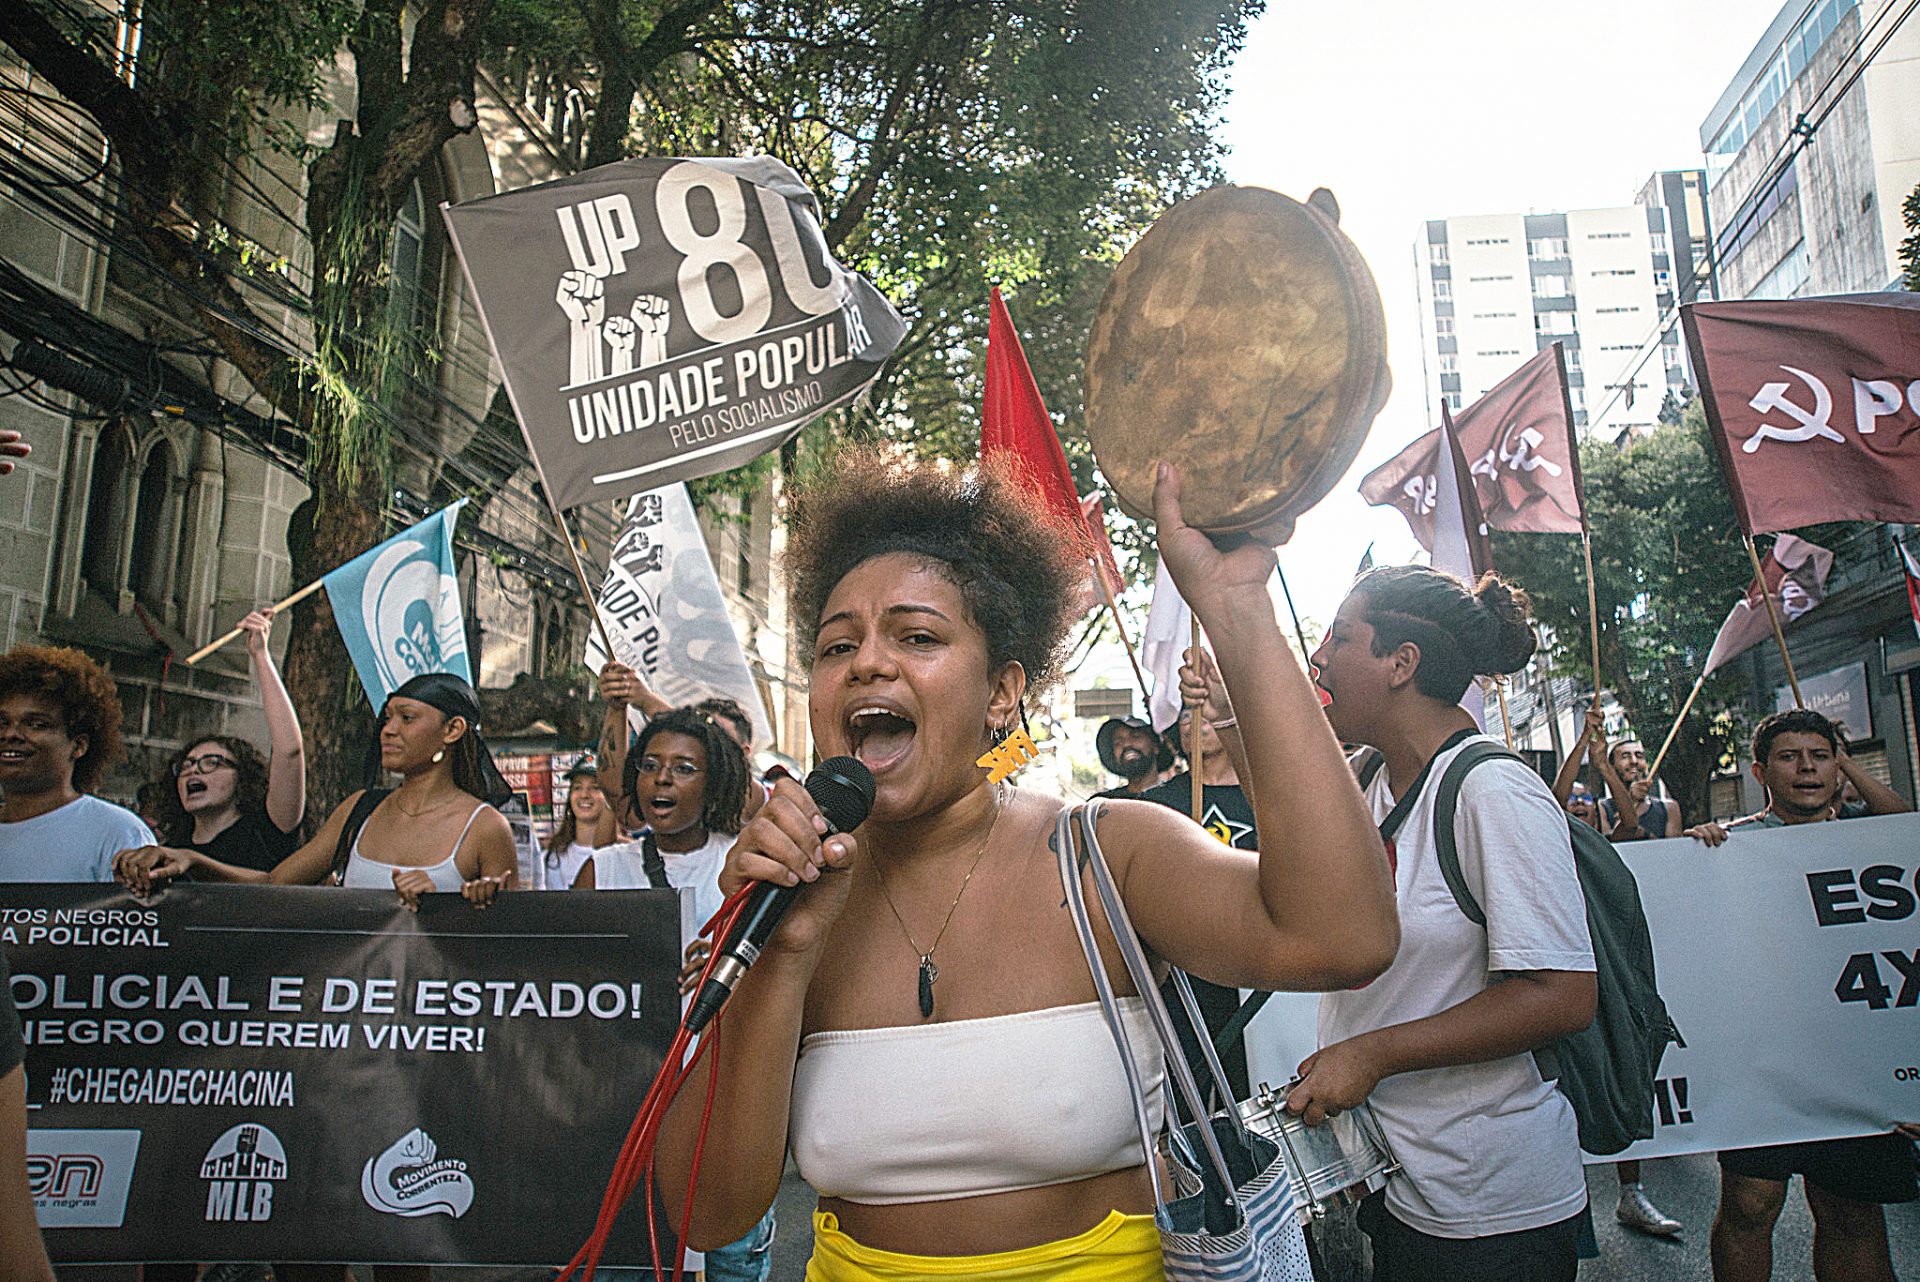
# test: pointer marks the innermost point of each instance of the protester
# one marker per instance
(566, 852)
(221, 799)
(1492, 1183)
(1635, 1209)
(1800, 759)
(687, 782)
(1581, 805)
(23, 1257)
(1656, 817)
(1226, 813)
(927, 996)
(1128, 747)
(429, 735)
(59, 734)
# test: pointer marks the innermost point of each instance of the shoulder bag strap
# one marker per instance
(652, 861)
(1135, 959)
(1446, 808)
(356, 820)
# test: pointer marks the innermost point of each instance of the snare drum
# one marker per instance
(1331, 1165)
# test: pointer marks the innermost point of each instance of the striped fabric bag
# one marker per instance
(1232, 1216)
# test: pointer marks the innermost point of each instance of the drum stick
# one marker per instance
(278, 606)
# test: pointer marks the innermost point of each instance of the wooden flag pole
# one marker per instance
(1685, 708)
(277, 607)
(1773, 617)
(1197, 780)
(1139, 677)
(1506, 721)
(579, 570)
(1593, 607)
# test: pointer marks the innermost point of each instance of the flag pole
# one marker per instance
(1773, 617)
(1593, 607)
(1506, 721)
(1140, 677)
(579, 570)
(1299, 633)
(1685, 708)
(277, 607)
(1198, 785)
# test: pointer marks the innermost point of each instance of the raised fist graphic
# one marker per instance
(581, 295)
(652, 314)
(621, 334)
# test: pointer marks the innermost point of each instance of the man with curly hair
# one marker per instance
(59, 732)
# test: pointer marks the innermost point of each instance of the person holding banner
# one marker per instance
(1801, 761)
(1440, 1046)
(24, 1257)
(59, 733)
(922, 1026)
(429, 735)
(220, 798)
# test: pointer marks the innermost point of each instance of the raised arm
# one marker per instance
(619, 686)
(287, 764)
(1880, 799)
(1316, 908)
(1570, 768)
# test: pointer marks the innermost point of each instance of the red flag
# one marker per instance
(1460, 544)
(1912, 569)
(1519, 440)
(1015, 424)
(1406, 481)
(1814, 405)
(1794, 574)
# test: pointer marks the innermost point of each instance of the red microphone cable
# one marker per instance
(635, 1162)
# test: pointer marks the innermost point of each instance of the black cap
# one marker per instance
(1104, 736)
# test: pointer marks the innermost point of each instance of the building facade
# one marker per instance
(1811, 150)
(1497, 288)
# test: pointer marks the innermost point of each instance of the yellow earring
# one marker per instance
(1014, 750)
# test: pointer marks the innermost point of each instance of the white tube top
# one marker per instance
(932, 1112)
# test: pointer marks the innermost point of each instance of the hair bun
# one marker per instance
(1509, 640)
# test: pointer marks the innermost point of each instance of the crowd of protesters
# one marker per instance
(1491, 1183)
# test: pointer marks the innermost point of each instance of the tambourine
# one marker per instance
(1243, 341)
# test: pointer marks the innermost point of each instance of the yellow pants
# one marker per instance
(1121, 1248)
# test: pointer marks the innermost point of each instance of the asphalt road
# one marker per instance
(1686, 1188)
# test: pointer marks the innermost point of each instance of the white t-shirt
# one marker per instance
(1486, 1148)
(562, 866)
(695, 874)
(73, 843)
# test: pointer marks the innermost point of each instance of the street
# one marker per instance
(1687, 1188)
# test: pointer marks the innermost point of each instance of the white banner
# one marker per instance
(662, 603)
(1790, 959)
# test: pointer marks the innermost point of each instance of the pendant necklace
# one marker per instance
(928, 971)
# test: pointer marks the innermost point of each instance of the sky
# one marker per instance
(1409, 111)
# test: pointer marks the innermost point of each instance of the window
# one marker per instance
(1611, 311)
(1608, 235)
(1443, 289)
(1449, 363)
(1481, 280)
(1443, 326)
(1437, 251)
(1547, 247)
(1659, 242)
(406, 266)
(156, 529)
(1490, 240)
(109, 498)
(552, 649)
(1617, 271)
(1552, 287)
(1453, 401)
(1553, 323)
(1573, 359)
(1493, 315)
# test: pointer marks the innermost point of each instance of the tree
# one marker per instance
(1910, 247)
(954, 145)
(1668, 565)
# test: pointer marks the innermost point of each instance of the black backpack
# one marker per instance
(1607, 1069)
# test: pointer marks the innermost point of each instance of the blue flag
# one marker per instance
(398, 608)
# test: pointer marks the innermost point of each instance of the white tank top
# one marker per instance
(370, 874)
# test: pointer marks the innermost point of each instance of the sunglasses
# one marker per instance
(206, 763)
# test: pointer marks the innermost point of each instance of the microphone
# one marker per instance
(842, 789)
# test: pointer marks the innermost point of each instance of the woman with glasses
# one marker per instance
(221, 799)
(685, 782)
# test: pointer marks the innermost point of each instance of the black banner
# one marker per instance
(310, 1073)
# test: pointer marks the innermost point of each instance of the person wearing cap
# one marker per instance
(438, 831)
(1128, 747)
(578, 835)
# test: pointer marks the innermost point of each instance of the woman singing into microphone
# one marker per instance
(995, 1134)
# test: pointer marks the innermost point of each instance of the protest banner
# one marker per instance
(1788, 959)
(316, 1074)
(665, 614)
(659, 320)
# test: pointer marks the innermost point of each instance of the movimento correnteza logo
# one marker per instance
(410, 1179)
